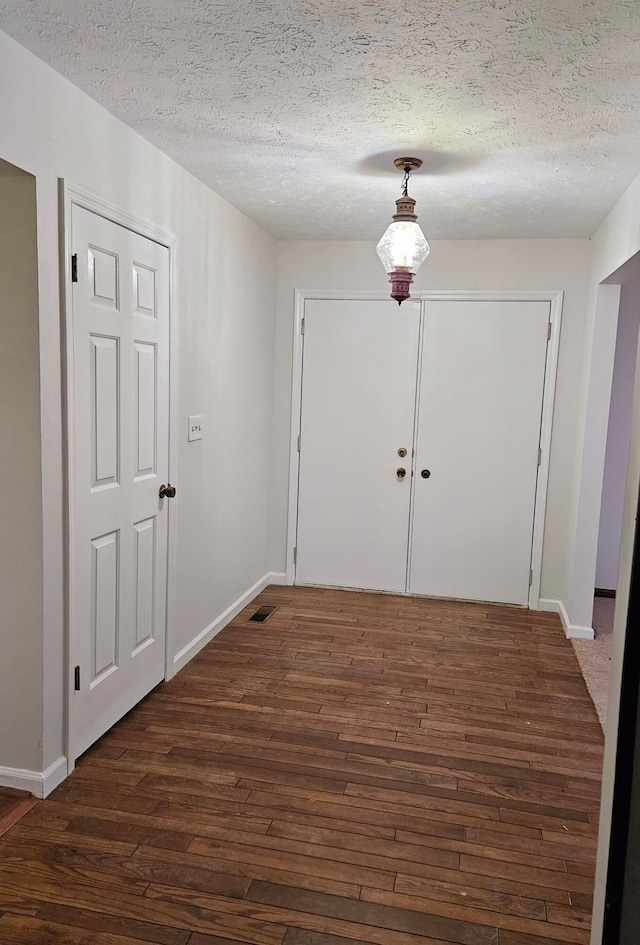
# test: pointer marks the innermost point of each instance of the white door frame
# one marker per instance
(553, 296)
(71, 195)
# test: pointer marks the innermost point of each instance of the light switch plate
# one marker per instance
(195, 427)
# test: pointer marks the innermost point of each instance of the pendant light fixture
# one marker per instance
(403, 247)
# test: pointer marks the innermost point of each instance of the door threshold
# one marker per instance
(370, 590)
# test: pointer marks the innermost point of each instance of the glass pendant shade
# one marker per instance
(403, 246)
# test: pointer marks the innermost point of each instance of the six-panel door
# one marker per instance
(120, 438)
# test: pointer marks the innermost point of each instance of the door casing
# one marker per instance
(70, 195)
(555, 299)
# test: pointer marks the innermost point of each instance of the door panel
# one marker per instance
(104, 612)
(120, 434)
(478, 434)
(358, 403)
(105, 410)
(145, 567)
(145, 393)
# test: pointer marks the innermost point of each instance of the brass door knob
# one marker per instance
(402, 452)
(167, 492)
(425, 473)
(401, 473)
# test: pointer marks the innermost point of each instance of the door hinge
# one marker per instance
(539, 456)
(295, 555)
(530, 576)
(76, 679)
(74, 267)
(299, 441)
(549, 332)
(302, 327)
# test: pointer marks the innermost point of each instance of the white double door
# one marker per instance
(119, 435)
(462, 395)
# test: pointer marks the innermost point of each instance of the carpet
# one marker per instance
(594, 656)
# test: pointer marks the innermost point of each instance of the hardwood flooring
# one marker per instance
(13, 806)
(361, 768)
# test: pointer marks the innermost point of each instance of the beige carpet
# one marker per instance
(594, 656)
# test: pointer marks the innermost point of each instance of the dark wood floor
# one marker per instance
(13, 806)
(358, 769)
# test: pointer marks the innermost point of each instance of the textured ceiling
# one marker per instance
(526, 113)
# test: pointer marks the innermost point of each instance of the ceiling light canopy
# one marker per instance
(403, 247)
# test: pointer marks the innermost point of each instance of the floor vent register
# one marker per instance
(263, 613)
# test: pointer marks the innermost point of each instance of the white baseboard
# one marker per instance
(277, 577)
(54, 775)
(571, 630)
(39, 783)
(555, 607)
(22, 780)
(576, 632)
(205, 636)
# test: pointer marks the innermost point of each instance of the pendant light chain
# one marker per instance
(405, 182)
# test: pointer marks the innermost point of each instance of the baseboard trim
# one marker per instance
(571, 630)
(39, 783)
(205, 636)
(54, 775)
(575, 632)
(22, 779)
(555, 607)
(277, 577)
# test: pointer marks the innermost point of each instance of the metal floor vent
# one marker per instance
(263, 613)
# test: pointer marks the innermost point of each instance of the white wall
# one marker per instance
(614, 245)
(629, 527)
(618, 435)
(226, 295)
(20, 476)
(457, 265)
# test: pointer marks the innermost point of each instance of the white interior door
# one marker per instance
(479, 415)
(358, 404)
(120, 380)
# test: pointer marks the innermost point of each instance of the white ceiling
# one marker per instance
(526, 113)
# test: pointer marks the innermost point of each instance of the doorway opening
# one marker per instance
(594, 655)
(382, 461)
(21, 477)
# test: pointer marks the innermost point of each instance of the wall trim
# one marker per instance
(555, 607)
(555, 299)
(600, 345)
(211, 630)
(54, 775)
(39, 783)
(574, 632)
(571, 630)
(277, 577)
